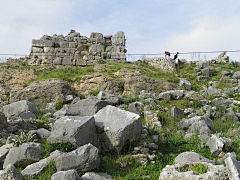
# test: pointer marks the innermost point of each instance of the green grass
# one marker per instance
(68, 74)
(94, 92)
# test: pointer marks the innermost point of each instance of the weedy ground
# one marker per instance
(170, 143)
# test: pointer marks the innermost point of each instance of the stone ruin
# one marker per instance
(75, 49)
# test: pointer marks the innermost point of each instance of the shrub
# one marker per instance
(22, 138)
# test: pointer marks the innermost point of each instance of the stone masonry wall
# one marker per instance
(75, 49)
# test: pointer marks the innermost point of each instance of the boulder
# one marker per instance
(96, 176)
(192, 157)
(206, 71)
(74, 129)
(3, 153)
(236, 75)
(45, 91)
(234, 167)
(200, 124)
(16, 108)
(66, 175)
(102, 95)
(136, 107)
(11, 173)
(176, 112)
(116, 127)
(202, 64)
(85, 158)
(27, 115)
(216, 144)
(185, 83)
(88, 107)
(34, 169)
(203, 78)
(25, 154)
(64, 111)
(41, 134)
(171, 94)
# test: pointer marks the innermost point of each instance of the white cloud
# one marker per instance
(208, 34)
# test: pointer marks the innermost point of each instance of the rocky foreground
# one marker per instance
(183, 128)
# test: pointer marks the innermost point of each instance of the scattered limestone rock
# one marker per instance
(116, 127)
(11, 173)
(85, 158)
(74, 129)
(136, 107)
(88, 107)
(185, 83)
(3, 153)
(176, 112)
(234, 167)
(25, 154)
(66, 175)
(96, 176)
(102, 95)
(19, 107)
(192, 157)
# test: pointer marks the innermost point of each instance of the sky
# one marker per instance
(150, 26)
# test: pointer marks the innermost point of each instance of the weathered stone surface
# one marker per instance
(119, 38)
(203, 78)
(206, 71)
(200, 124)
(202, 64)
(234, 167)
(3, 153)
(210, 91)
(181, 171)
(162, 63)
(96, 176)
(41, 134)
(34, 169)
(11, 173)
(116, 127)
(171, 94)
(66, 175)
(236, 75)
(185, 83)
(102, 95)
(136, 107)
(3, 120)
(85, 158)
(19, 107)
(27, 115)
(216, 144)
(176, 112)
(192, 157)
(74, 129)
(45, 91)
(24, 155)
(88, 107)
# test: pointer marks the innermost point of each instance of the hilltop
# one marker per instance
(147, 116)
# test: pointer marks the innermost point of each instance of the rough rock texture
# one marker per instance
(41, 134)
(180, 172)
(116, 127)
(66, 175)
(171, 94)
(45, 91)
(234, 167)
(19, 107)
(216, 144)
(88, 107)
(136, 107)
(96, 176)
(24, 155)
(113, 99)
(3, 153)
(75, 49)
(185, 83)
(11, 173)
(84, 158)
(162, 63)
(191, 157)
(176, 112)
(74, 129)
(34, 169)
(200, 124)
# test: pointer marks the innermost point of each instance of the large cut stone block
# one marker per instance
(74, 129)
(116, 127)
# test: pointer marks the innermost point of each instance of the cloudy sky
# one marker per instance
(151, 26)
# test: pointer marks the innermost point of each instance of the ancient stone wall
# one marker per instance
(165, 64)
(75, 49)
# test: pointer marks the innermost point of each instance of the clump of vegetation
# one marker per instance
(22, 138)
(95, 92)
(59, 104)
(120, 87)
(63, 147)
(199, 168)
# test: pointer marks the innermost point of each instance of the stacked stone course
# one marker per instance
(75, 49)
